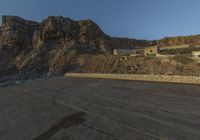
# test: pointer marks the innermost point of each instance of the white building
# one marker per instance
(196, 54)
(126, 51)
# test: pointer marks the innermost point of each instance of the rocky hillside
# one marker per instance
(59, 44)
(181, 40)
(132, 65)
(28, 46)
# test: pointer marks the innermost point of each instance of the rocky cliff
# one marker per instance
(57, 44)
(31, 46)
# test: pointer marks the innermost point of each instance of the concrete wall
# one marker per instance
(164, 56)
(125, 51)
(174, 47)
(140, 77)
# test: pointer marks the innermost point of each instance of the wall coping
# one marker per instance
(140, 77)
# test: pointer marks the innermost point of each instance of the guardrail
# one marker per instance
(140, 77)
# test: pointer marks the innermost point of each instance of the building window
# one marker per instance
(151, 51)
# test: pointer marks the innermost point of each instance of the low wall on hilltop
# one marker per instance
(140, 77)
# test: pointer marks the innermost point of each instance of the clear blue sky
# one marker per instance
(142, 19)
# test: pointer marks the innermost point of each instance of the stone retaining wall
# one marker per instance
(140, 77)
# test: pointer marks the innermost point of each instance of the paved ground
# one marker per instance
(96, 109)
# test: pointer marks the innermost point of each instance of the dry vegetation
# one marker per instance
(132, 65)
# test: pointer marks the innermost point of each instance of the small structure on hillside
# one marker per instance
(196, 54)
(151, 51)
(123, 52)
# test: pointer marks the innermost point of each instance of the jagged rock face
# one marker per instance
(55, 44)
(42, 47)
(17, 33)
(57, 36)
(20, 33)
(89, 31)
(55, 28)
(64, 30)
(37, 47)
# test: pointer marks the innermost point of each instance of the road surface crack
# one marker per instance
(66, 122)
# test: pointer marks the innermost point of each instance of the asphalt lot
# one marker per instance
(99, 109)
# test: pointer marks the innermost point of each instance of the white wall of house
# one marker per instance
(125, 51)
(174, 47)
(196, 54)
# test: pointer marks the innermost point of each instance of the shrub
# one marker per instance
(180, 51)
(183, 59)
